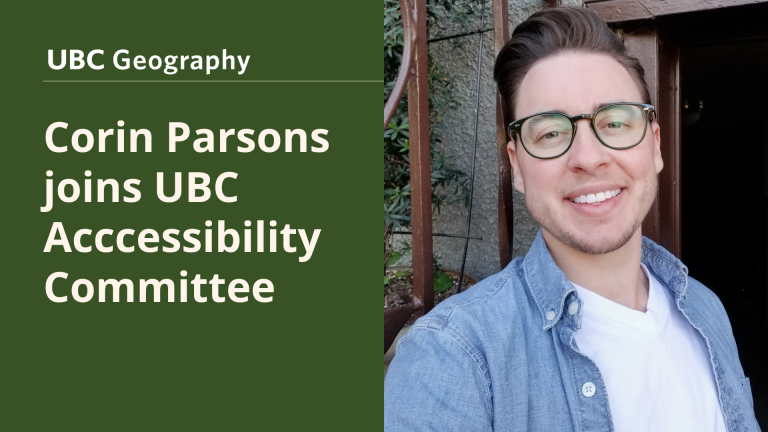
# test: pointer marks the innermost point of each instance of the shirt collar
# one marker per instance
(550, 288)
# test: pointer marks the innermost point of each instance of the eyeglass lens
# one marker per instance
(549, 135)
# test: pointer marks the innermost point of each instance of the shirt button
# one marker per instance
(588, 389)
(573, 308)
(550, 315)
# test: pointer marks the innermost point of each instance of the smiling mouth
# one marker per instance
(597, 198)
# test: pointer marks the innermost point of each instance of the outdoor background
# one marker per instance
(304, 361)
(456, 60)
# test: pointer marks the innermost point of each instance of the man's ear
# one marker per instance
(657, 160)
(517, 175)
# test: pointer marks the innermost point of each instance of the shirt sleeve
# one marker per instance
(436, 383)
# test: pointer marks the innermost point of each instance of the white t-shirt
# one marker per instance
(655, 365)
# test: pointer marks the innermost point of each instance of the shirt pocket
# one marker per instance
(748, 389)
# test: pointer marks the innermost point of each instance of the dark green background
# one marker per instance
(310, 360)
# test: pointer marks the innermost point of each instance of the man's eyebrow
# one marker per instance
(535, 120)
(553, 110)
(599, 105)
(557, 110)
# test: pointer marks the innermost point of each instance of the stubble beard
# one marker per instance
(548, 221)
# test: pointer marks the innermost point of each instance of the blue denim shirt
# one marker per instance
(501, 356)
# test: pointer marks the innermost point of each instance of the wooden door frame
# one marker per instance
(614, 11)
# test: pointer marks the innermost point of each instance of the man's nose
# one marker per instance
(587, 153)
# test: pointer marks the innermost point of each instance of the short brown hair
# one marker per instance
(553, 31)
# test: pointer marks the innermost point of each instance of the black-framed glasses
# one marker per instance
(549, 135)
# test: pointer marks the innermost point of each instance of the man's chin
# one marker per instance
(602, 243)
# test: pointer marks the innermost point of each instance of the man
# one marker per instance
(597, 328)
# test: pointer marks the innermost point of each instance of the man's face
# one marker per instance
(579, 83)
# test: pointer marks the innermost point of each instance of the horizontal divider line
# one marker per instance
(220, 81)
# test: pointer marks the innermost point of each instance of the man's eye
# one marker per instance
(614, 125)
(553, 134)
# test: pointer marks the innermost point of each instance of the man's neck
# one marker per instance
(616, 275)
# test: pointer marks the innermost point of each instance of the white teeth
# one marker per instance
(596, 198)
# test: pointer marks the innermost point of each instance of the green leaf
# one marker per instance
(442, 281)
(395, 257)
(400, 274)
(386, 280)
